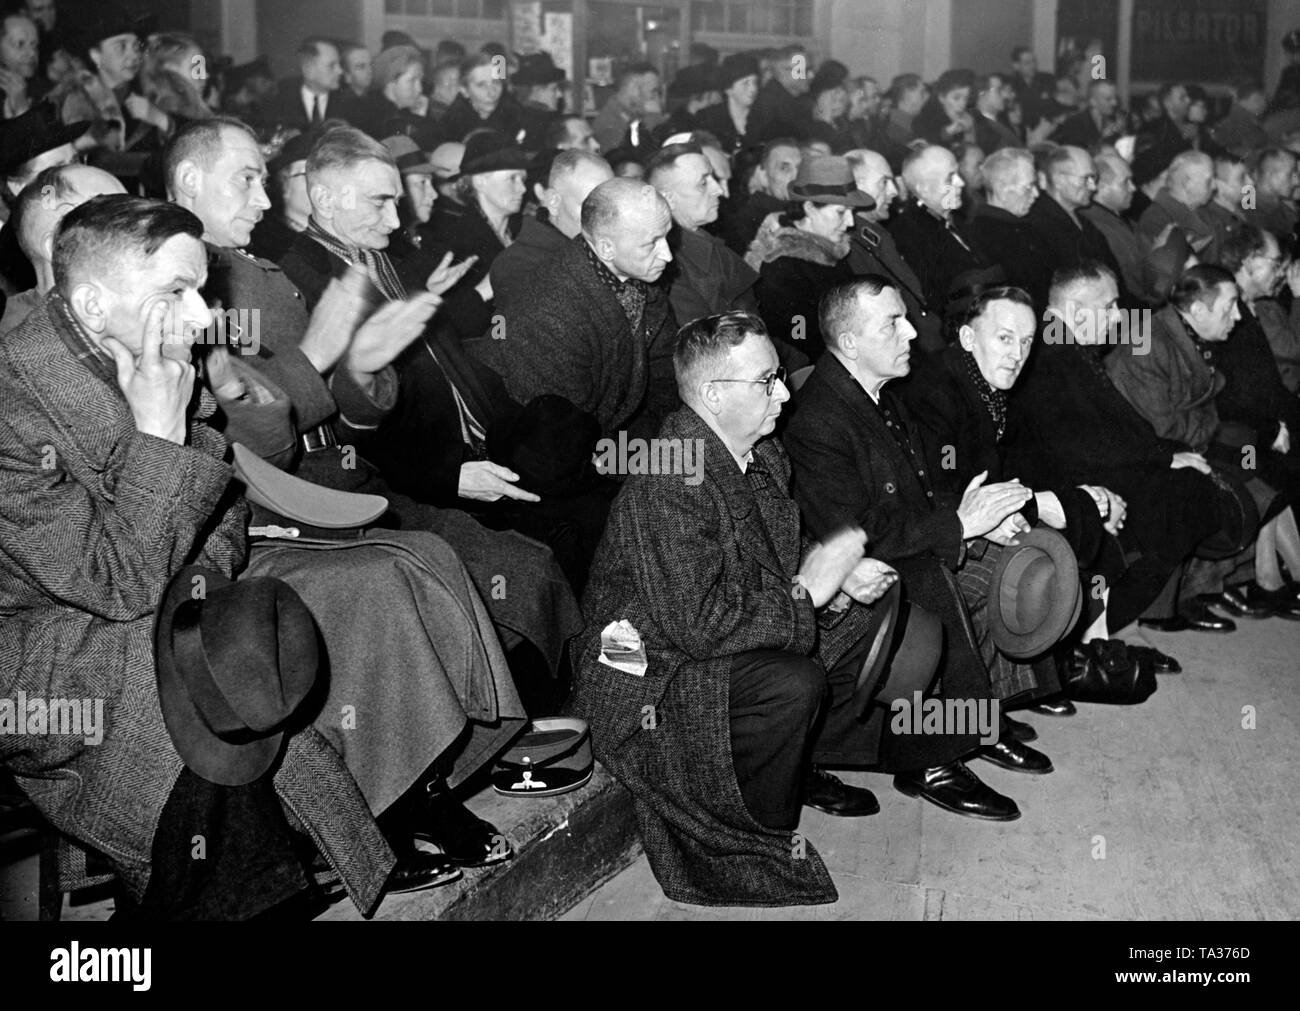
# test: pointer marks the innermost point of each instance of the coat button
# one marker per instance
(297, 293)
(929, 494)
(920, 473)
(889, 488)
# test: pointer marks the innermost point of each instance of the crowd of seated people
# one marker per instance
(1015, 310)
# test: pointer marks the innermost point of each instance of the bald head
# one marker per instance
(932, 177)
(626, 222)
(574, 174)
(1191, 178)
(43, 204)
(873, 176)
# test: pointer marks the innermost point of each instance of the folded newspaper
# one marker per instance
(622, 649)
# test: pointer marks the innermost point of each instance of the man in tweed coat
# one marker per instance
(111, 479)
(713, 739)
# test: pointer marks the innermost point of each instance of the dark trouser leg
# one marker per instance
(774, 701)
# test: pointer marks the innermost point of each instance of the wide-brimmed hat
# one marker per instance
(552, 756)
(492, 151)
(829, 180)
(32, 134)
(536, 69)
(734, 68)
(906, 648)
(1239, 516)
(1034, 595)
(293, 498)
(411, 161)
(107, 20)
(233, 661)
(697, 79)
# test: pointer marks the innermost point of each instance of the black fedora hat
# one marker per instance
(829, 180)
(234, 661)
(906, 651)
(492, 151)
(551, 757)
(107, 20)
(696, 79)
(536, 69)
(32, 134)
(549, 444)
(1034, 595)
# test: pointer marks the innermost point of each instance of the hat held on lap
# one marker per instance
(234, 661)
(1034, 594)
(553, 756)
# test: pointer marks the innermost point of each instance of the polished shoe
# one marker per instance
(1054, 707)
(1238, 601)
(1011, 754)
(1277, 603)
(955, 788)
(1192, 616)
(463, 837)
(827, 793)
(1021, 732)
(1155, 661)
(418, 869)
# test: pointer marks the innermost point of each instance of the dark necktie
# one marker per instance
(317, 114)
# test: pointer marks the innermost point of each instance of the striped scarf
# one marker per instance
(380, 270)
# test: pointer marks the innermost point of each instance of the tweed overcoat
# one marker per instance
(95, 518)
(704, 573)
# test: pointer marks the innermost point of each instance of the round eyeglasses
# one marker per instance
(769, 382)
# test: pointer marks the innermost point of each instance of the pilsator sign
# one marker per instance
(1198, 40)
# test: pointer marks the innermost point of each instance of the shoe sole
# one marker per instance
(435, 883)
(842, 814)
(1055, 716)
(461, 861)
(922, 795)
(1017, 768)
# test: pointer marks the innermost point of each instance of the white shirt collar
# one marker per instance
(309, 102)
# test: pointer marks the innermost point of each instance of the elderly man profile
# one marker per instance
(1000, 229)
(336, 364)
(932, 243)
(858, 459)
(594, 326)
(1067, 180)
(1189, 188)
(572, 177)
(98, 379)
(745, 635)
(874, 251)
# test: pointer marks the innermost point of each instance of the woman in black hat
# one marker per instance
(729, 120)
(830, 105)
(539, 86)
(801, 252)
(482, 222)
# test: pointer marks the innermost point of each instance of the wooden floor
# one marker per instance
(1168, 810)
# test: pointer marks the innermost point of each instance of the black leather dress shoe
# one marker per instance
(1193, 616)
(462, 836)
(418, 869)
(1274, 603)
(1011, 754)
(955, 788)
(1237, 601)
(1154, 660)
(1022, 732)
(1054, 707)
(824, 792)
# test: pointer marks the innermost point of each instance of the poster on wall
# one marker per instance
(526, 26)
(1222, 39)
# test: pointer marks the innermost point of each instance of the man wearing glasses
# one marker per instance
(751, 645)
(1067, 178)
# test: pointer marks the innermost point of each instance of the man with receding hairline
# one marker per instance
(593, 326)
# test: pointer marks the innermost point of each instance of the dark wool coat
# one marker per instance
(1171, 386)
(461, 120)
(536, 245)
(795, 268)
(569, 336)
(850, 471)
(935, 253)
(776, 113)
(547, 614)
(740, 222)
(873, 251)
(1002, 238)
(716, 119)
(87, 545)
(960, 440)
(1067, 244)
(703, 572)
(706, 278)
